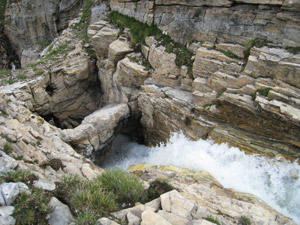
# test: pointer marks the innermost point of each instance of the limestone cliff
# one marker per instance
(242, 86)
(33, 24)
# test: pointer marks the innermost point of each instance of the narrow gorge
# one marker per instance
(204, 95)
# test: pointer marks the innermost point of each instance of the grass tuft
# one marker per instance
(32, 208)
(8, 148)
(127, 188)
(213, 220)
(244, 221)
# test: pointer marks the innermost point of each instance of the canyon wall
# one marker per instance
(244, 85)
(31, 24)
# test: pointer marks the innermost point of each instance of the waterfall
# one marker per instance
(275, 182)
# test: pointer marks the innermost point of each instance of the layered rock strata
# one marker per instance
(31, 24)
(232, 21)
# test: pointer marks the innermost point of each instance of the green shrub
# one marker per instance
(244, 221)
(213, 220)
(251, 43)
(3, 112)
(127, 188)
(158, 187)
(264, 91)
(32, 208)
(8, 148)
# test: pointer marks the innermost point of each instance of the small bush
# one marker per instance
(32, 208)
(264, 91)
(294, 50)
(8, 148)
(244, 221)
(127, 188)
(213, 220)
(3, 112)
(10, 81)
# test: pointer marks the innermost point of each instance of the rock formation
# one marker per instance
(223, 69)
(30, 25)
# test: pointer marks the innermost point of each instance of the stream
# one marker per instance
(275, 182)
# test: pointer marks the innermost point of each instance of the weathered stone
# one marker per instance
(38, 22)
(237, 50)
(130, 74)
(118, 49)
(96, 130)
(133, 219)
(10, 191)
(102, 39)
(45, 185)
(165, 70)
(174, 203)
(274, 63)
(150, 218)
(173, 218)
(7, 220)
(106, 221)
(6, 210)
(207, 62)
(60, 213)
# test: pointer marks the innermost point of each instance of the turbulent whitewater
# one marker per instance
(274, 181)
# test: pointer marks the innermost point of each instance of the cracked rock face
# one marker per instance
(38, 21)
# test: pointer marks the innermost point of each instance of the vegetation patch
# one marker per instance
(126, 187)
(8, 148)
(140, 60)
(294, 50)
(4, 73)
(24, 176)
(84, 22)
(244, 221)
(251, 43)
(264, 91)
(3, 112)
(32, 208)
(213, 220)
(21, 76)
(141, 30)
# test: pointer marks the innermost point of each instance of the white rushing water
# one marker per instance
(273, 181)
